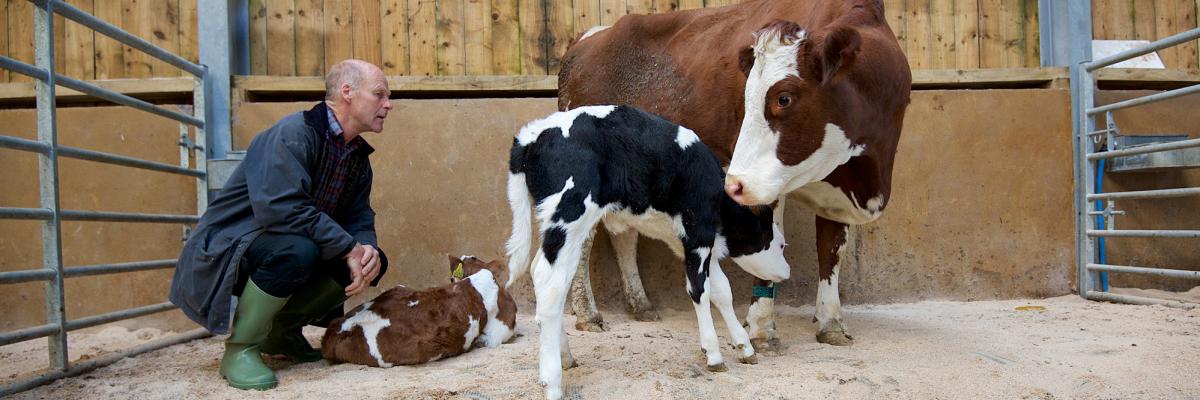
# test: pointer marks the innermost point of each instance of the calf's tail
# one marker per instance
(521, 203)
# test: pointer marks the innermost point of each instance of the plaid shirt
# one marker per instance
(340, 165)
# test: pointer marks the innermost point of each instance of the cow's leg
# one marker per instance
(699, 288)
(831, 240)
(551, 281)
(761, 318)
(583, 302)
(722, 298)
(625, 245)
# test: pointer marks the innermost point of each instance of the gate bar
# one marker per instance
(1153, 148)
(1144, 233)
(1172, 273)
(96, 91)
(38, 214)
(89, 155)
(105, 269)
(114, 32)
(87, 322)
(76, 215)
(1145, 194)
(1138, 300)
(27, 275)
(22, 335)
(118, 315)
(86, 270)
(91, 364)
(1154, 98)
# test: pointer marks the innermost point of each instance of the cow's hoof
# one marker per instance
(591, 326)
(772, 346)
(718, 367)
(751, 359)
(836, 338)
(650, 315)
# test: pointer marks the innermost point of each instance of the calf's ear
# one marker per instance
(838, 52)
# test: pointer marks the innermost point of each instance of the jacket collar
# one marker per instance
(317, 119)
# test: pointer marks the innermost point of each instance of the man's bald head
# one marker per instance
(347, 72)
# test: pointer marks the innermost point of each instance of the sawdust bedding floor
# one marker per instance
(1063, 347)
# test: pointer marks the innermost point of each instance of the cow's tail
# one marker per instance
(521, 203)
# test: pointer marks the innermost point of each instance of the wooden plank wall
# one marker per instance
(81, 53)
(1149, 20)
(527, 37)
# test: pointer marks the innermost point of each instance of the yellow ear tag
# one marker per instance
(458, 272)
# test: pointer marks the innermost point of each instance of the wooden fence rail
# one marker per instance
(527, 37)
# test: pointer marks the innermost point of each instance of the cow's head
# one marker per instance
(462, 267)
(753, 240)
(788, 138)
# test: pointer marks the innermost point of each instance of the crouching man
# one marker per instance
(292, 233)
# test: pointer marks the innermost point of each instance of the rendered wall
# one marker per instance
(981, 207)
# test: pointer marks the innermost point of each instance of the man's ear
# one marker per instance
(838, 52)
(746, 60)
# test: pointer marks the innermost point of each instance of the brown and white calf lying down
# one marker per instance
(403, 326)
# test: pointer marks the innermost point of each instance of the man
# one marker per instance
(292, 233)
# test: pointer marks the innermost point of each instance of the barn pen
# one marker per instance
(1040, 241)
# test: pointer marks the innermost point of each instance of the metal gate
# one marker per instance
(1094, 224)
(49, 212)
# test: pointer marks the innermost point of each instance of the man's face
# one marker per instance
(369, 104)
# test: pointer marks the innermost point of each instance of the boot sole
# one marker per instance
(252, 386)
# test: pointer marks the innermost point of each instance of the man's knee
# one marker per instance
(285, 263)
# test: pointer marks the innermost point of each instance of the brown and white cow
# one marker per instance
(402, 326)
(800, 97)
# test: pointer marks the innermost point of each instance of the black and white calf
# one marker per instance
(633, 170)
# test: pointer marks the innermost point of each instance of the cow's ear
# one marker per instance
(838, 52)
(746, 60)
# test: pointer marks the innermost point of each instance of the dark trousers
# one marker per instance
(280, 263)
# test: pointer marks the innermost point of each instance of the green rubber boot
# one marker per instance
(312, 301)
(242, 366)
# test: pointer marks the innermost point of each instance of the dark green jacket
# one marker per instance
(268, 191)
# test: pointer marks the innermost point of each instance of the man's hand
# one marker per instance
(363, 262)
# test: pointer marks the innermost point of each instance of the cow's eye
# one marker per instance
(784, 100)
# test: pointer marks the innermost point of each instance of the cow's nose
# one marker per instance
(733, 187)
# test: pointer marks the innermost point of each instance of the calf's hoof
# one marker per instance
(772, 346)
(591, 326)
(650, 315)
(718, 367)
(836, 338)
(568, 364)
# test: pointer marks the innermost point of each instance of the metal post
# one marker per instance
(48, 183)
(1079, 39)
(1084, 184)
(215, 50)
(200, 109)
